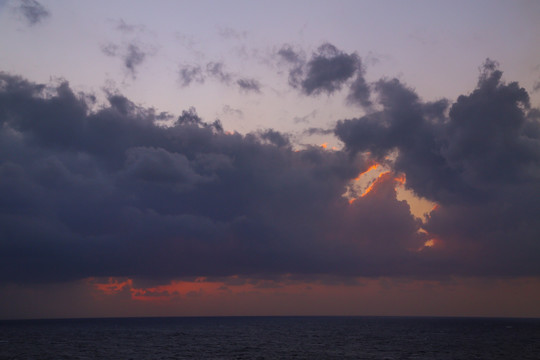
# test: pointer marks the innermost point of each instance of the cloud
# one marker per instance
(230, 33)
(275, 138)
(124, 27)
(217, 70)
(328, 70)
(249, 85)
(288, 54)
(110, 49)
(132, 54)
(359, 91)
(478, 158)
(133, 51)
(189, 74)
(133, 57)
(110, 192)
(318, 131)
(229, 111)
(536, 86)
(33, 11)
(305, 118)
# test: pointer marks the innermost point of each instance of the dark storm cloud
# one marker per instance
(33, 11)
(110, 193)
(479, 159)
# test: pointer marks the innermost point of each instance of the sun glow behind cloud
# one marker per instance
(365, 181)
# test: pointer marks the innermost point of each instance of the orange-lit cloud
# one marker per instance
(383, 176)
(200, 287)
(112, 286)
(361, 176)
(372, 167)
(430, 243)
(373, 184)
(357, 296)
(400, 179)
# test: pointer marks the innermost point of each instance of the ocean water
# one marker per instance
(271, 338)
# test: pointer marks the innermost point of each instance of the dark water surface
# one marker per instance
(271, 338)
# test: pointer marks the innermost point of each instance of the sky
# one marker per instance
(209, 158)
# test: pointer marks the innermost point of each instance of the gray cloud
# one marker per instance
(189, 74)
(327, 71)
(275, 138)
(536, 86)
(230, 33)
(288, 54)
(111, 193)
(237, 113)
(217, 70)
(33, 11)
(318, 131)
(360, 92)
(110, 49)
(124, 27)
(249, 85)
(305, 118)
(133, 57)
(480, 163)
(132, 54)
(133, 51)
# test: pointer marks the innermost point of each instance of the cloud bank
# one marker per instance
(109, 192)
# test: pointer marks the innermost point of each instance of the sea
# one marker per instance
(271, 338)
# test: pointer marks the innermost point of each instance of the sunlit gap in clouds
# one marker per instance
(368, 179)
(365, 181)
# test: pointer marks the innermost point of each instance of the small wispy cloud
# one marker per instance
(32, 11)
